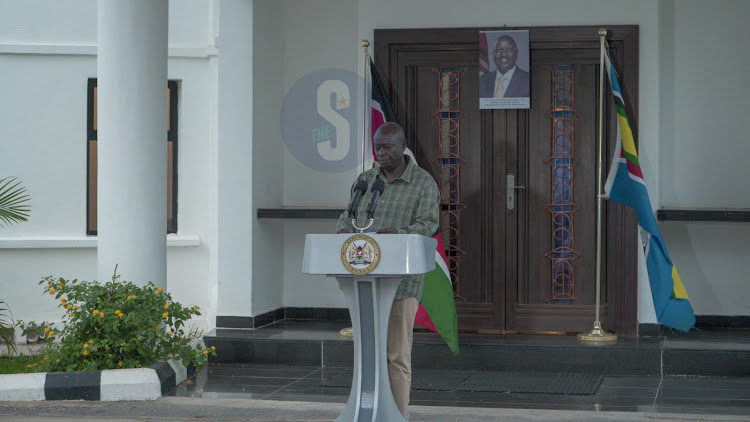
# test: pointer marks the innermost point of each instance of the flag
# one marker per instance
(484, 61)
(437, 307)
(625, 185)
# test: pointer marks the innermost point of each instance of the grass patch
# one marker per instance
(19, 364)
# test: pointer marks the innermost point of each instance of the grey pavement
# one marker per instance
(179, 409)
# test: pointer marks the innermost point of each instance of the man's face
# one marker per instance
(505, 54)
(389, 151)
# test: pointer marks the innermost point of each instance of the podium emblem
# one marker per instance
(360, 254)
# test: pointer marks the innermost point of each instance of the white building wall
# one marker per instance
(47, 54)
(704, 148)
(268, 148)
(317, 35)
(235, 157)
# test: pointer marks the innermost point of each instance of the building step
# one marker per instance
(718, 352)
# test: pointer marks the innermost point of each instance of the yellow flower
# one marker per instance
(139, 337)
(166, 306)
(46, 329)
(51, 291)
(120, 315)
(58, 360)
(62, 299)
(157, 328)
(28, 366)
(72, 314)
(46, 357)
(101, 314)
(213, 347)
(171, 334)
(96, 311)
(164, 315)
(51, 333)
(85, 352)
(117, 311)
(205, 351)
(75, 306)
(161, 289)
(69, 307)
(91, 341)
(119, 363)
(85, 345)
(156, 292)
(196, 307)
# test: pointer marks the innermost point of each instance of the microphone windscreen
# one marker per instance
(361, 186)
(379, 185)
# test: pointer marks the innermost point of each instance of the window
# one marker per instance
(91, 124)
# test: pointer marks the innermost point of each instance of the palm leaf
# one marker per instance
(6, 327)
(13, 202)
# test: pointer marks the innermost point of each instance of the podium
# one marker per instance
(369, 276)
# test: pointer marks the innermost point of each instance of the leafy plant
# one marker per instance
(117, 325)
(7, 334)
(35, 332)
(13, 202)
(13, 209)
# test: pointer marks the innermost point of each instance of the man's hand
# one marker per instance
(389, 230)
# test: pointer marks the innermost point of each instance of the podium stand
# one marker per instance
(369, 297)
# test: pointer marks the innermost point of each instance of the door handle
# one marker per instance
(510, 191)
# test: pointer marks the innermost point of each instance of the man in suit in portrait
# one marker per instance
(508, 80)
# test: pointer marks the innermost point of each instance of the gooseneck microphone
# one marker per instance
(377, 190)
(359, 191)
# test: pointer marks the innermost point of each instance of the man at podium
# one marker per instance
(408, 204)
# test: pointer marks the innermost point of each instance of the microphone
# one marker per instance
(377, 190)
(359, 190)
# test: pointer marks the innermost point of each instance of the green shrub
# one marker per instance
(117, 325)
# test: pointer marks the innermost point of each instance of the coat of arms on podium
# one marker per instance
(360, 254)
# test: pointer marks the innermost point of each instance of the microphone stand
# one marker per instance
(362, 229)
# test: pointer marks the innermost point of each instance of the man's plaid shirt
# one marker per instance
(410, 204)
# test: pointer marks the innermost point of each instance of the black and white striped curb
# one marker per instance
(107, 385)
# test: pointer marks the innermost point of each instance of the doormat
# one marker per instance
(421, 379)
(533, 382)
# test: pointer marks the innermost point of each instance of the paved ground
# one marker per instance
(179, 409)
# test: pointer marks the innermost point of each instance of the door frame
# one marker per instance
(621, 223)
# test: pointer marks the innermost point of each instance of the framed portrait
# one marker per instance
(504, 80)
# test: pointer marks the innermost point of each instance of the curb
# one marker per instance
(106, 385)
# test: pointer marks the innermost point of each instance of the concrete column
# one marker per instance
(132, 140)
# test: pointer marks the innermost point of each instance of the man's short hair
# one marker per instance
(388, 129)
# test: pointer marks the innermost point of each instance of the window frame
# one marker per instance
(92, 167)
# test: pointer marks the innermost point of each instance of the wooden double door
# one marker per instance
(519, 186)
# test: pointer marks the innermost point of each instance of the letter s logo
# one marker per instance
(343, 143)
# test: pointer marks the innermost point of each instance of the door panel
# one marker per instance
(531, 268)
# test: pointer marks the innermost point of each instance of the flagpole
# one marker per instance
(365, 95)
(348, 332)
(597, 334)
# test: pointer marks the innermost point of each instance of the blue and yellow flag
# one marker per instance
(625, 185)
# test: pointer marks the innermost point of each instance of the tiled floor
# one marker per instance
(629, 390)
(701, 395)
